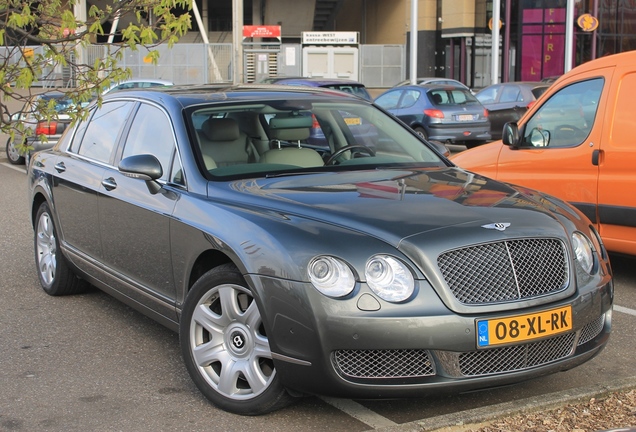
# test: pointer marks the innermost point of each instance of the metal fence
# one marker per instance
(181, 64)
(380, 66)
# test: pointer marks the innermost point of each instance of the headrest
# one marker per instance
(221, 129)
(297, 134)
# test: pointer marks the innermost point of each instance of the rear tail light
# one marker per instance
(434, 113)
(485, 113)
(46, 128)
(314, 123)
(530, 104)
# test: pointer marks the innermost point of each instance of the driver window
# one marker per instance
(566, 119)
(151, 133)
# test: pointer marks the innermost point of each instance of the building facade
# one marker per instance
(454, 36)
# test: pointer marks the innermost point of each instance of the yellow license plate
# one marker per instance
(352, 120)
(465, 117)
(522, 328)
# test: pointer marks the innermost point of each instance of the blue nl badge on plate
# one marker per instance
(482, 333)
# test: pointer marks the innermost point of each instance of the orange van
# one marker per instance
(578, 143)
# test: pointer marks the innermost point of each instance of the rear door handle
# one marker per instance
(60, 167)
(109, 183)
(596, 155)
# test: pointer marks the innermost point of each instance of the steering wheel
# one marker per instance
(351, 147)
(569, 130)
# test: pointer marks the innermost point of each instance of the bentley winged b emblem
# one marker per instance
(499, 226)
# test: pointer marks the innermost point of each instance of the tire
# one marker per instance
(225, 348)
(421, 132)
(13, 155)
(56, 277)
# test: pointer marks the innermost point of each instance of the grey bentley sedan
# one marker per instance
(364, 266)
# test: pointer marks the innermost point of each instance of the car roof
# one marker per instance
(144, 80)
(188, 95)
(317, 81)
(434, 86)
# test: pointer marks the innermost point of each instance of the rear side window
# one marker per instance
(103, 129)
(389, 100)
(566, 119)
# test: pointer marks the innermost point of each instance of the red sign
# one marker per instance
(261, 31)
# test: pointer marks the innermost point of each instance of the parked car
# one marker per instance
(550, 79)
(344, 85)
(507, 102)
(138, 83)
(359, 272)
(439, 113)
(45, 133)
(577, 144)
(433, 80)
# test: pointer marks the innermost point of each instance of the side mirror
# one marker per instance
(440, 148)
(510, 134)
(145, 167)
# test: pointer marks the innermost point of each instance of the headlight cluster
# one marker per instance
(388, 277)
(583, 252)
(331, 276)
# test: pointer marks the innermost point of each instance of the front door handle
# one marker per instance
(596, 155)
(109, 183)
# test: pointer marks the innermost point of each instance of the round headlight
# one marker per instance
(389, 278)
(583, 251)
(331, 276)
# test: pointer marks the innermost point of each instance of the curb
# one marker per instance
(532, 404)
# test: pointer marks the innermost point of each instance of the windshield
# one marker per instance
(281, 136)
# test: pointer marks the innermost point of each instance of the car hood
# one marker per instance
(395, 205)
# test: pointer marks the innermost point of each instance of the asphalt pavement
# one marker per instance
(90, 363)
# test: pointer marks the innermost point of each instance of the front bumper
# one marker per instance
(341, 348)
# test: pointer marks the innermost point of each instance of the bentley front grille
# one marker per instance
(516, 357)
(591, 330)
(506, 271)
(406, 363)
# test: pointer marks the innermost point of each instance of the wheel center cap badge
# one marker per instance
(499, 226)
(238, 340)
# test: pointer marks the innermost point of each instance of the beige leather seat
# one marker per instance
(298, 156)
(222, 141)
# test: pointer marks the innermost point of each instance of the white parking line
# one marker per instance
(625, 310)
(359, 412)
(13, 167)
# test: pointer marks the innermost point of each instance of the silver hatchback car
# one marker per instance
(449, 114)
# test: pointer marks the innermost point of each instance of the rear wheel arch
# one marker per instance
(38, 199)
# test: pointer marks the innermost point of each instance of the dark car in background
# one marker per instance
(44, 133)
(361, 272)
(507, 102)
(344, 85)
(448, 114)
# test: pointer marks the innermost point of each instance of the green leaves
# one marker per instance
(43, 37)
